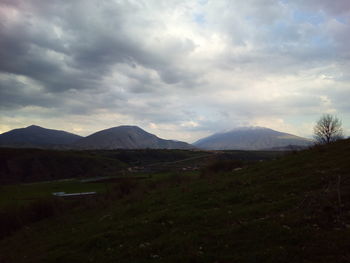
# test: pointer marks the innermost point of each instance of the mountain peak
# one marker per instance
(249, 128)
(33, 126)
(125, 127)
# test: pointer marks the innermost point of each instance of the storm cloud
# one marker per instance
(180, 69)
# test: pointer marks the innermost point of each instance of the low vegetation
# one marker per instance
(293, 209)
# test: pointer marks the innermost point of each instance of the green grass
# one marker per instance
(294, 209)
(21, 194)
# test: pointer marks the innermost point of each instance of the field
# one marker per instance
(290, 208)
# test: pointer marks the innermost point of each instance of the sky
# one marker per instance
(181, 69)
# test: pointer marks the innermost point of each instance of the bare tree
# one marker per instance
(328, 129)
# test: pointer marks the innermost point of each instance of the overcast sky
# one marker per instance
(179, 69)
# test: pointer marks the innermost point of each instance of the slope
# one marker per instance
(295, 209)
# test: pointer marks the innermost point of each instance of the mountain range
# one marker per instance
(133, 137)
(122, 137)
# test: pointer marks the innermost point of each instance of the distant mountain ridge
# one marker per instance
(127, 137)
(251, 138)
(121, 137)
(133, 137)
(36, 136)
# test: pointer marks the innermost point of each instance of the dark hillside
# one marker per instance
(146, 156)
(30, 165)
(294, 209)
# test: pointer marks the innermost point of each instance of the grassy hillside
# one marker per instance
(294, 209)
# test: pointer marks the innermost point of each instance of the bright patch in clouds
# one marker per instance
(179, 69)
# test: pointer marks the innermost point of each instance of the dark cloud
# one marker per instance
(15, 93)
(79, 44)
(335, 7)
(154, 62)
